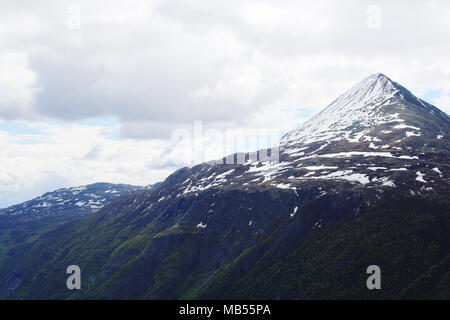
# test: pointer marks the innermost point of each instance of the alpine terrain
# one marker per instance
(24, 222)
(364, 182)
(67, 202)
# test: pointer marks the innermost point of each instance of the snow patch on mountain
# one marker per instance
(420, 176)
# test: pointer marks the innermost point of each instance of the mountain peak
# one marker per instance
(381, 84)
(373, 89)
(378, 75)
(374, 101)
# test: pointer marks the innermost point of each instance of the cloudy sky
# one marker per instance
(94, 90)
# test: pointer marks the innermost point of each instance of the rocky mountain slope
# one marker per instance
(66, 202)
(375, 135)
(366, 181)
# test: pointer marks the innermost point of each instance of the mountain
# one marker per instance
(24, 222)
(364, 182)
(68, 202)
(377, 134)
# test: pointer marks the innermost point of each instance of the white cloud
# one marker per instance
(17, 86)
(179, 61)
(68, 155)
(443, 102)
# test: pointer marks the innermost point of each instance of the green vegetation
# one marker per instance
(408, 239)
(158, 255)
